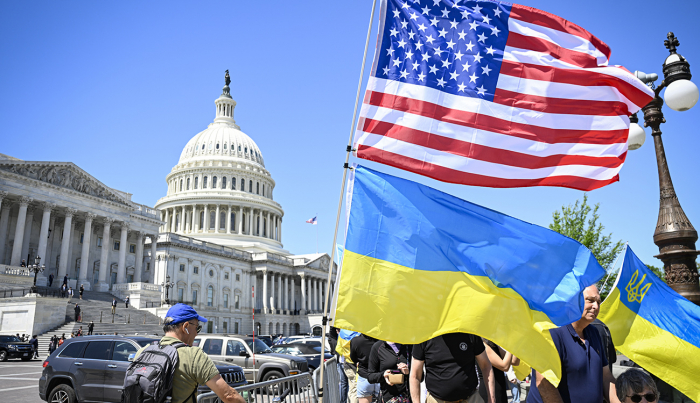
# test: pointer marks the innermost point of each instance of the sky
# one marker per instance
(118, 88)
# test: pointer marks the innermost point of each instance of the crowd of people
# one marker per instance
(464, 368)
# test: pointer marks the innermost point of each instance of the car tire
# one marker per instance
(272, 375)
(62, 394)
(3, 355)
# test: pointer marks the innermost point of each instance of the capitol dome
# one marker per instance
(220, 191)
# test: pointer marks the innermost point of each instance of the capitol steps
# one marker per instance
(98, 305)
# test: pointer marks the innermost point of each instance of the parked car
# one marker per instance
(266, 338)
(310, 352)
(263, 366)
(316, 341)
(92, 368)
(13, 347)
(291, 339)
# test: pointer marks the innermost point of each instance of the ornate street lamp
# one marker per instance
(168, 285)
(36, 268)
(674, 235)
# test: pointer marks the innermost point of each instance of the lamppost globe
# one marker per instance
(681, 95)
(636, 136)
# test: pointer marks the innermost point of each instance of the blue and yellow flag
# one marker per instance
(654, 326)
(343, 346)
(419, 263)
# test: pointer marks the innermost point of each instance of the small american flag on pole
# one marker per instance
(312, 221)
(495, 94)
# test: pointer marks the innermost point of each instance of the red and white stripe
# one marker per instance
(559, 115)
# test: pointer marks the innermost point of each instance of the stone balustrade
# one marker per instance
(16, 271)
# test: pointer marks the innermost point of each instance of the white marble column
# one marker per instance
(286, 292)
(70, 251)
(65, 243)
(16, 258)
(104, 257)
(264, 291)
(205, 228)
(27, 235)
(182, 220)
(121, 267)
(173, 220)
(280, 300)
(193, 219)
(303, 292)
(43, 232)
(138, 263)
(250, 222)
(228, 220)
(154, 250)
(166, 226)
(273, 306)
(188, 221)
(280, 230)
(217, 222)
(240, 220)
(294, 291)
(85, 252)
(4, 221)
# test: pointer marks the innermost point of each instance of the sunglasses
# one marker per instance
(199, 329)
(650, 397)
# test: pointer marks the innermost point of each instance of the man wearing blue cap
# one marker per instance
(182, 323)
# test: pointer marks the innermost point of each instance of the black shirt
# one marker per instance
(381, 358)
(450, 362)
(360, 348)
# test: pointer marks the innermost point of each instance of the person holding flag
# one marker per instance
(586, 377)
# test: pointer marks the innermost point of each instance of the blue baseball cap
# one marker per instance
(182, 313)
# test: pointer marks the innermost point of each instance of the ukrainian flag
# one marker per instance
(343, 346)
(419, 263)
(654, 326)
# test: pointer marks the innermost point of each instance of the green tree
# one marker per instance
(581, 222)
(659, 272)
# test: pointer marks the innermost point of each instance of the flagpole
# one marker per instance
(348, 150)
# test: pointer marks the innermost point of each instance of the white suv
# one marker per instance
(238, 350)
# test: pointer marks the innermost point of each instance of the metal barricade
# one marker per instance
(299, 388)
(331, 390)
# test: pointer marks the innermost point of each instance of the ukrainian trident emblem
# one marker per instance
(637, 292)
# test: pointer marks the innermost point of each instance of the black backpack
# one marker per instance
(149, 378)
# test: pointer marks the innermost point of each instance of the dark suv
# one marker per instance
(92, 368)
(13, 347)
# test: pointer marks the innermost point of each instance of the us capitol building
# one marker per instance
(215, 238)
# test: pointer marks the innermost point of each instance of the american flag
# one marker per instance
(495, 94)
(312, 221)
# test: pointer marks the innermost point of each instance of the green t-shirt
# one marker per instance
(194, 368)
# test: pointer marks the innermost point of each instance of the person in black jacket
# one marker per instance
(385, 359)
(360, 349)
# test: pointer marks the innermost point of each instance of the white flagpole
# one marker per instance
(340, 201)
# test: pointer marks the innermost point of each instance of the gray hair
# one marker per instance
(634, 380)
(168, 325)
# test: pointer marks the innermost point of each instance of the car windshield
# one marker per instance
(260, 347)
(10, 339)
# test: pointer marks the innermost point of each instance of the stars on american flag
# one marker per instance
(454, 47)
